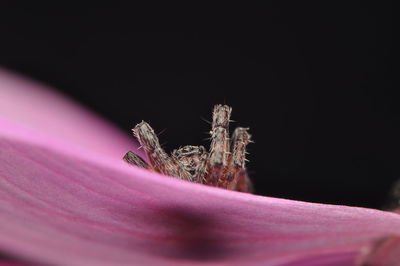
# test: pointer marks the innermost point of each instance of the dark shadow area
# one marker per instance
(193, 236)
(6, 259)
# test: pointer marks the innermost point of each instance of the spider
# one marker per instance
(222, 166)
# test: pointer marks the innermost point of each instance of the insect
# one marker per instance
(222, 166)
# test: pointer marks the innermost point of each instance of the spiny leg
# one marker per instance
(219, 148)
(159, 159)
(236, 174)
(131, 158)
(194, 160)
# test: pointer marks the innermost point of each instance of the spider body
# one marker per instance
(193, 160)
(223, 166)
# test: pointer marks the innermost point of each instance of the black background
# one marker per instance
(313, 81)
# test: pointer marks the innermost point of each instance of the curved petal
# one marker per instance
(34, 106)
(60, 205)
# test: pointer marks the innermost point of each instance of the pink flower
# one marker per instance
(67, 198)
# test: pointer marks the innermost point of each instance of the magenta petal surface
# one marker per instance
(67, 206)
(34, 106)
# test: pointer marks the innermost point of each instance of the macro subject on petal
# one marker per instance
(67, 202)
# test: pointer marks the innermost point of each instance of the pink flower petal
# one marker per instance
(68, 206)
(34, 106)
(67, 198)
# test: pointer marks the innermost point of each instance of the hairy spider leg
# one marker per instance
(160, 161)
(236, 175)
(219, 148)
(132, 158)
